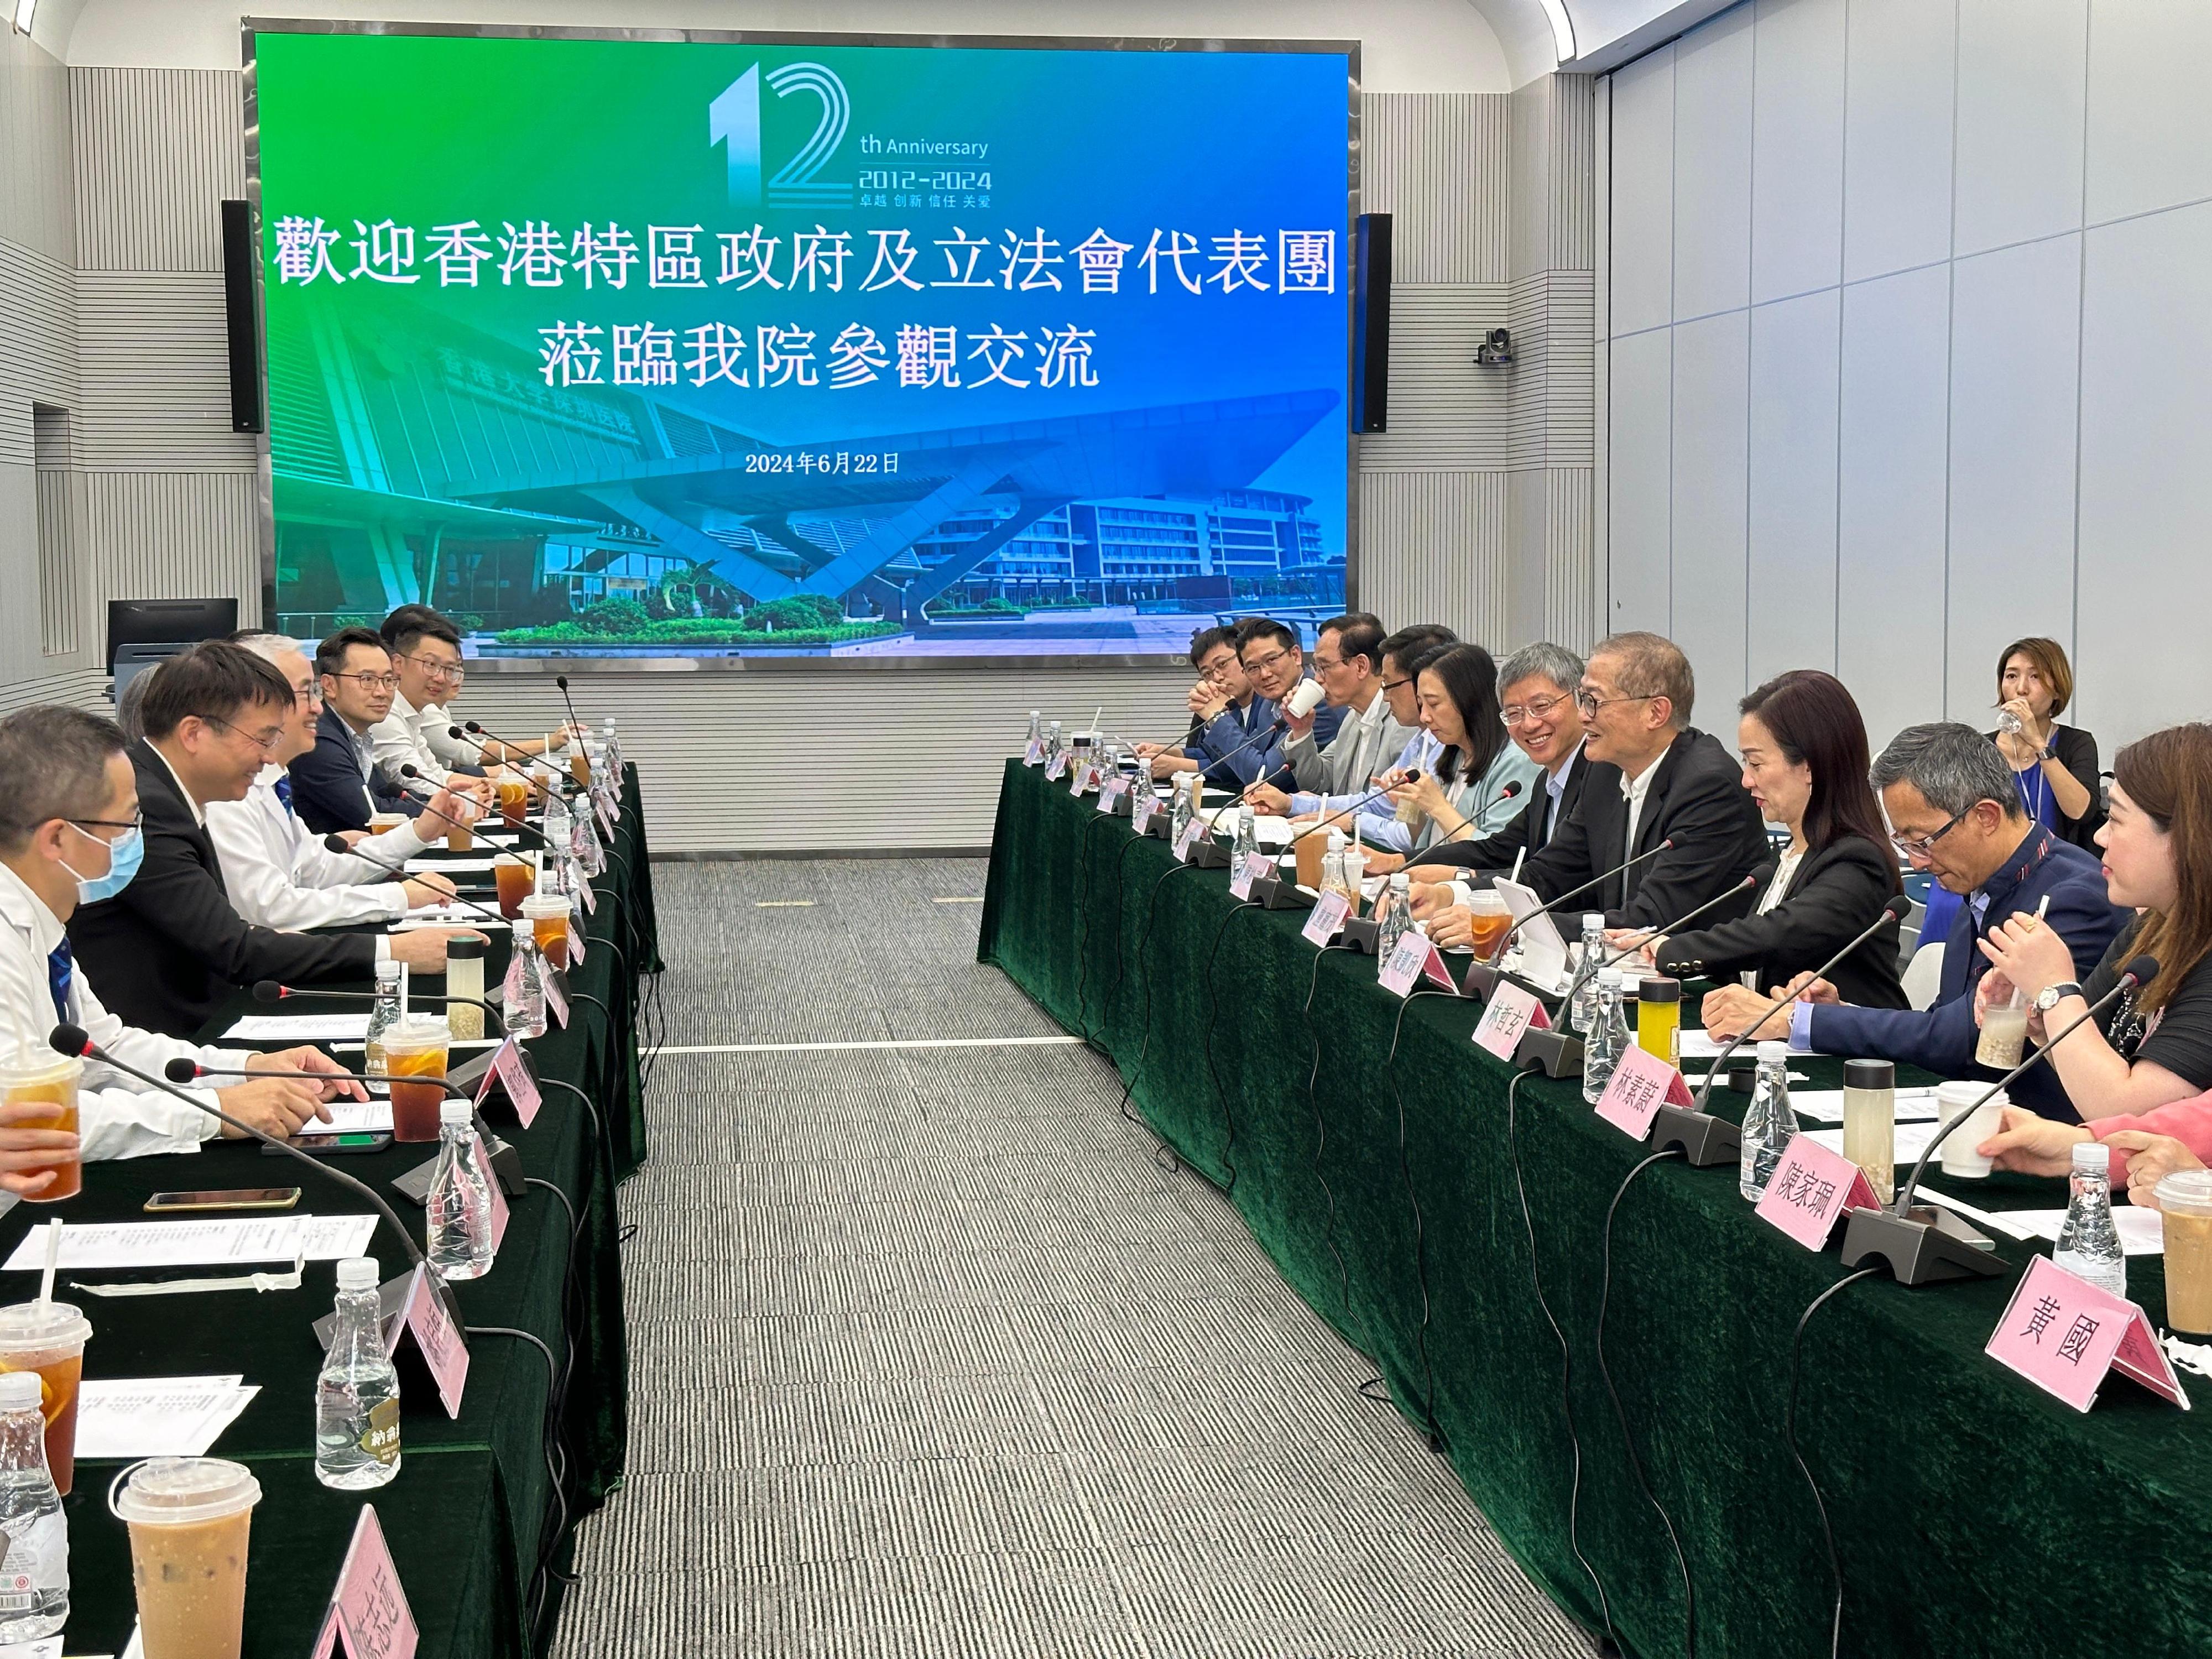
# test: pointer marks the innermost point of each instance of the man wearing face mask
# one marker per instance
(69, 807)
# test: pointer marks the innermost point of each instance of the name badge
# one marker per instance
(1511, 1011)
(1328, 915)
(1639, 1086)
(368, 1610)
(1810, 1189)
(1413, 959)
(2063, 1334)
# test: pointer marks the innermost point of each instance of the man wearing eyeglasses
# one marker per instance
(337, 785)
(1955, 813)
(1347, 661)
(426, 655)
(170, 946)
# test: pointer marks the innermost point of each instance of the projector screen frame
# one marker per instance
(611, 662)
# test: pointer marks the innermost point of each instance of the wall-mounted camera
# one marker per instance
(1496, 350)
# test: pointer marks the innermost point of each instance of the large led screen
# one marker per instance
(653, 348)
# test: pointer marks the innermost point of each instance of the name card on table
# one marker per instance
(1056, 768)
(368, 1610)
(1511, 1011)
(557, 996)
(444, 1354)
(1810, 1189)
(1033, 752)
(1328, 915)
(509, 1065)
(1188, 839)
(1243, 869)
(2063, 1334)
(605, 807)
(1082, 778)
(1111, 790)
(1641, 1084)
(1142, 805)
(591, 898)
(1414, 959)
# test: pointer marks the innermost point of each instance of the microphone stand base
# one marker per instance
(1929, 1246)
(1706, 1142)
(1208, 853)
(1557, 1054)
(1359, 935)
(1273, 893)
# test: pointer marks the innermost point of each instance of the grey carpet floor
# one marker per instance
(930, 1355)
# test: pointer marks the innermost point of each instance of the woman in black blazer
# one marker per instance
(2054, 766)
(1804, 749)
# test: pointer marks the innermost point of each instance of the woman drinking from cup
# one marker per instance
(1465, 796)
(2153, 1046)
(1804, 751)
(2054, 766)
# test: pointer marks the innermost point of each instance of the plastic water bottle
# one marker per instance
(1244, 851)
(34, 1599)
(383, 1014)
(1770, 1123)
(1179, 810)
(1394, 918)
(357, 1392)
(560, 832)
(1052, 741)
(460, 1204)
(1607, 1037)
(614, 753)
(2088, 1242)
(584, 840)
(523, 991)
(1037, 732)
(1581, 996)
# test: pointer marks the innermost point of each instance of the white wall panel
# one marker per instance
(34, 150)
(1642, 205)
(2146, 476)
(1898, 82)
(2149, 122)
(1712, 166)
(2022, 64)
(1438, 164)
(2014, 317)
(1446, 413)
(1790, 615)
(1891, 511)
(1710, 441)
(1797, 147)
(1640, 483)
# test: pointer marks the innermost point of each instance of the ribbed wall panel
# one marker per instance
(1437, 163)
(38, 343)
(1445, 537)
(1570, 585)
(157, 151)
(83, 688)
(1551, 404)
(156, 376)
(173, 536)
(1446, 413)
(34, 150)
(1572, 242)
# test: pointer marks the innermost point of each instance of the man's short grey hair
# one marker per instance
(53, 764)
(1952, 767)
(1542, 661)
(270, 646)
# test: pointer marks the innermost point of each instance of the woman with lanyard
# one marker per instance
(1465, 796)
(1804, 749)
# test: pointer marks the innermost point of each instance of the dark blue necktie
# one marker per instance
(58, 964)
(284, 791)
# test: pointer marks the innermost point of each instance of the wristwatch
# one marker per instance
(2051, 995)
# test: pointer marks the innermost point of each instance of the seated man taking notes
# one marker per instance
(69, 809)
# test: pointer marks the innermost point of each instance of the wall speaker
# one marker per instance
(239, 313)
(1371, 323)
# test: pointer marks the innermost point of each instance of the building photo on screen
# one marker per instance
(664, 348)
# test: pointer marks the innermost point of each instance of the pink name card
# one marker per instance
(1414, 959)
(1641, 1084)
(591, 898)
(513, 1071)
(1511, 1011)
(556, 997)
(1056, 768)
(1033, 752)
(435, 1339)
(1241, 871)
(2063, 1334)
(1188, 839)
(1810, 1189)
(1142, 805)
(1111, 790)
(1081, 780)
(1328, 914)
(575, 941)
(368, 1610)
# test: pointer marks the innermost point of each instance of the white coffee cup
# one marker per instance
(1960, 1158)
(1305, 699)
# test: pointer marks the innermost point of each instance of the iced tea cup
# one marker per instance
(515, 878)
(50, 1082)
(1491, 921)
(1310, 849)
(580, 768)
(548, 915)
(2184, 1207)
(49, 1338)
(514, 800)
(415, 1048)
(191, 1520)
(381, 821)
(460, 830)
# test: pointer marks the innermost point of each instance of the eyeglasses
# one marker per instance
(439, 671)
(1918, 847)
(1589, 702)
(265, 741)
(1258, 663)
(372, 681)
(1326, 665)
(1538, 708)
(136, 821)
(1391, 685)
(309, 694)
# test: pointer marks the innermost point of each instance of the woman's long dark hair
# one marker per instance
(1815, 722)
(1470, 680)
(2168, 774)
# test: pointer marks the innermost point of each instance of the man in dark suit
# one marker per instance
(1536, 688)
(335, 785)
(169, 948)
(1654, 779)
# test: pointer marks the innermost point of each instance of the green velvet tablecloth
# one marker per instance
(1972, 1514)
(477, 1505)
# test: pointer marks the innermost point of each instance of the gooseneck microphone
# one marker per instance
(336, 843)
(181, 1070)
(1758, 878)
(562, 680)
(1506, 938)
(267, 990)
(1276, 729)
(483, 827)
(1897, 908)
(75, 1041)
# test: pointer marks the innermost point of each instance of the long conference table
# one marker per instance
(1971, 1513)
(479, 1519)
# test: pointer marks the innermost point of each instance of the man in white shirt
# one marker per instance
(69, 812)
(426, 654)
(279, 874)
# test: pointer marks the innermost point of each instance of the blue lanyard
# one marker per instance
(2032, 802)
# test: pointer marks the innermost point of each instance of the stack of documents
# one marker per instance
(157, 1416)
